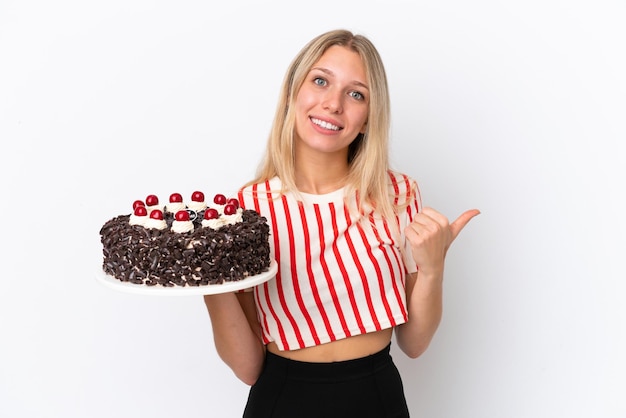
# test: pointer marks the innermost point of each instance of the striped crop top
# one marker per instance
(339, 273)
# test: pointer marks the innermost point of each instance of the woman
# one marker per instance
(358, 256)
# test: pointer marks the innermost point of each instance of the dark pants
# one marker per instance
(366, 387)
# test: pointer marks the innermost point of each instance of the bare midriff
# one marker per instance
(345, 349)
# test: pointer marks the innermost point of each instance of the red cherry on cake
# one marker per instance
(230, 209)
(219, 199)
(182, 215)
(152, 200)
(156, 214)
(234, 202)
(141, 211)
(137, 203)
(176, 198)
(211, 213)
(197, 197)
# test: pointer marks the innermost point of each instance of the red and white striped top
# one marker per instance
(340, 273)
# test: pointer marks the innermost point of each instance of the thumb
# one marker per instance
(461, 221)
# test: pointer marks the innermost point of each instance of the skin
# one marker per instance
(331, 109)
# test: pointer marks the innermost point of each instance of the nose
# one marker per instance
(333, 102)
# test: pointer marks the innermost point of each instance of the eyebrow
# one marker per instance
(327, 71)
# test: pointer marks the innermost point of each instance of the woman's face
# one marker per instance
(332, 104)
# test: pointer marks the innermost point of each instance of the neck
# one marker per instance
(321, 175)
(317, 184)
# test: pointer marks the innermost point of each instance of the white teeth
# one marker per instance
(324, 124)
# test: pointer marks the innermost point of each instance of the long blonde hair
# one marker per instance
(368, 156)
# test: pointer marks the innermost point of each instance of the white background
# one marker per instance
(515, 108)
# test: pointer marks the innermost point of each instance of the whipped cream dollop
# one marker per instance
(223, 219)
(138, 220)
(152, 223)
(216, 223)
(182, 226)
(234, 218)
(197, 206)
(174, 207)
(153, 208)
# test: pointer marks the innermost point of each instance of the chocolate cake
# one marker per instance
(185, 244)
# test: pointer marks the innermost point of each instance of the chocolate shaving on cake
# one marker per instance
(204, 256)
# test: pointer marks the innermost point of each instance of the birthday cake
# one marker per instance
(192, 243)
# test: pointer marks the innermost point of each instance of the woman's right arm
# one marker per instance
(237, 333)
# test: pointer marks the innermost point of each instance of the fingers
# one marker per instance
(431, 220)
(429, 228)
(430, 235)
(428, 219)
(435, 216)
(461, 221)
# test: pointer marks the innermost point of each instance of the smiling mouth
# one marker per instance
(325, 125)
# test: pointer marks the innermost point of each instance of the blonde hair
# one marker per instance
(368, 156)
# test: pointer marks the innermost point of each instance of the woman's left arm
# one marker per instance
(430, 235)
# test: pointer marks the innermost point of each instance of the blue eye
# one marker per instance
(356, 95)
(319, 81)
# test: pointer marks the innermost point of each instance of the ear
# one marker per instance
(363, 128)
